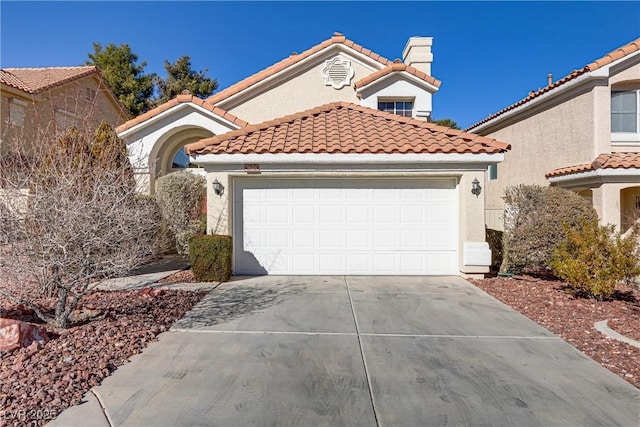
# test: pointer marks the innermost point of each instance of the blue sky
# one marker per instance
(487, 54)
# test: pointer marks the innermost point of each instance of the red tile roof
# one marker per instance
(610, 57)
(343, 127)
(37, 80)
(396, 67)
(337, 38)
(603, 161)
(180, 99)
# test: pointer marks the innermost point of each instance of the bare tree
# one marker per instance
(69, 218)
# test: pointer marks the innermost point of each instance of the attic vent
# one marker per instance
(337, 72)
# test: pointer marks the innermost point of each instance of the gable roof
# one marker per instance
(37, 80)
(395, 67)
(180, 99)
(337, 38)
(607, 59)
(603, 161)
(342, 127)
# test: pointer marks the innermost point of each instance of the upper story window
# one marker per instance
(16, 112)
(625, 117)
(401, 108)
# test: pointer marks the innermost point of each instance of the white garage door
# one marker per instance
(372, 226)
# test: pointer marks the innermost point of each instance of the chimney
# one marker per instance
(549, 79)
(417, 53)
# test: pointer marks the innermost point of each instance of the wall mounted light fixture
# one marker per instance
(475, 187)
(218, 188)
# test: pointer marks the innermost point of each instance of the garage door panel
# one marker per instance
(346, 226)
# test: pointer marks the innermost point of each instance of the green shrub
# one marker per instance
(594, 258)
(181, 196)
(210, 257)
(494, 239)
(533, 221)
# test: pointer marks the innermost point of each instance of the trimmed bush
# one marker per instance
(210, 257)
(533, 222)
(594, 258)
(181, 196)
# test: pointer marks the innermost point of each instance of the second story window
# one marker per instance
(624, 111)
(401, 108)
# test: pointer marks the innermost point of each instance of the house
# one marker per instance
(39, 100)
(581, 132)
(325, 163)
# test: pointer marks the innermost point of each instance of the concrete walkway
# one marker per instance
(357, 351)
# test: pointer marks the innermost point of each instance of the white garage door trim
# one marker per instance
(377, 226)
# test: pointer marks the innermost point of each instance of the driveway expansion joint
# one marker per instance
(364, 361)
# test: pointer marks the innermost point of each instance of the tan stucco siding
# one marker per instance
(558, 136)
(298, 93)
(629, 75)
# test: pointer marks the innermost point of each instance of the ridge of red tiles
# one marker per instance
(37, 80)
(603, 161)
(180, 99)
(343, 127)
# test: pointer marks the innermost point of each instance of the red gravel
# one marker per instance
(36, 386)
(184, 276)
(549, 304)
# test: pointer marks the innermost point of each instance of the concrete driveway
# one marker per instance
(357, 351)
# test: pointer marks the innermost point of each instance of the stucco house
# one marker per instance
(37, 100)
(581, 132)
(325, 163)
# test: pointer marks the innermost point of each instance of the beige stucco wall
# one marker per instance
(557, 136)
(471, 208)
(39, 114)
(295, 93)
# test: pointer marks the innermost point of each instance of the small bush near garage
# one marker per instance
(593, 258)
(181, 197)
(533, 221)
(494, 239)
(210, 257)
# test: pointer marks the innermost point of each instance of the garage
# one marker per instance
(345, 226)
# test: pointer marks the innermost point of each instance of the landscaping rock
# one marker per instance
(16, 333)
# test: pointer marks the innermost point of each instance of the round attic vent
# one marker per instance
(337, 72)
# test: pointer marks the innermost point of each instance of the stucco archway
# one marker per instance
(168, 145)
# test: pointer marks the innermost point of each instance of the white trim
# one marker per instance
(598, 173)
(600, 73)
(404, 74)
(326, 158)
(173, 110)
(367, 60)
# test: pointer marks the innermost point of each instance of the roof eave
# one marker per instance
(340, 158)
(420, 82)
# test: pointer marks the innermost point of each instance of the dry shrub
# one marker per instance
(594, 258)
(533, 220)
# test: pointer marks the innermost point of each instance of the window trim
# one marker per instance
(396, 100)
(625, 138)
(17, 105)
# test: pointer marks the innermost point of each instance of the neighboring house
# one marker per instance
(36, 101)
(581, 132)
(324, 163)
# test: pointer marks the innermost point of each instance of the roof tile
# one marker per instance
(37, 80)
(610, 57)
(180, 99)
(289, 61)
(342, 127)
(603, 161)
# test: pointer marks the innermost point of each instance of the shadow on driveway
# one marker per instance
(225, 304)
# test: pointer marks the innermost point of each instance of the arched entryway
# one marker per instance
(167, 149)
